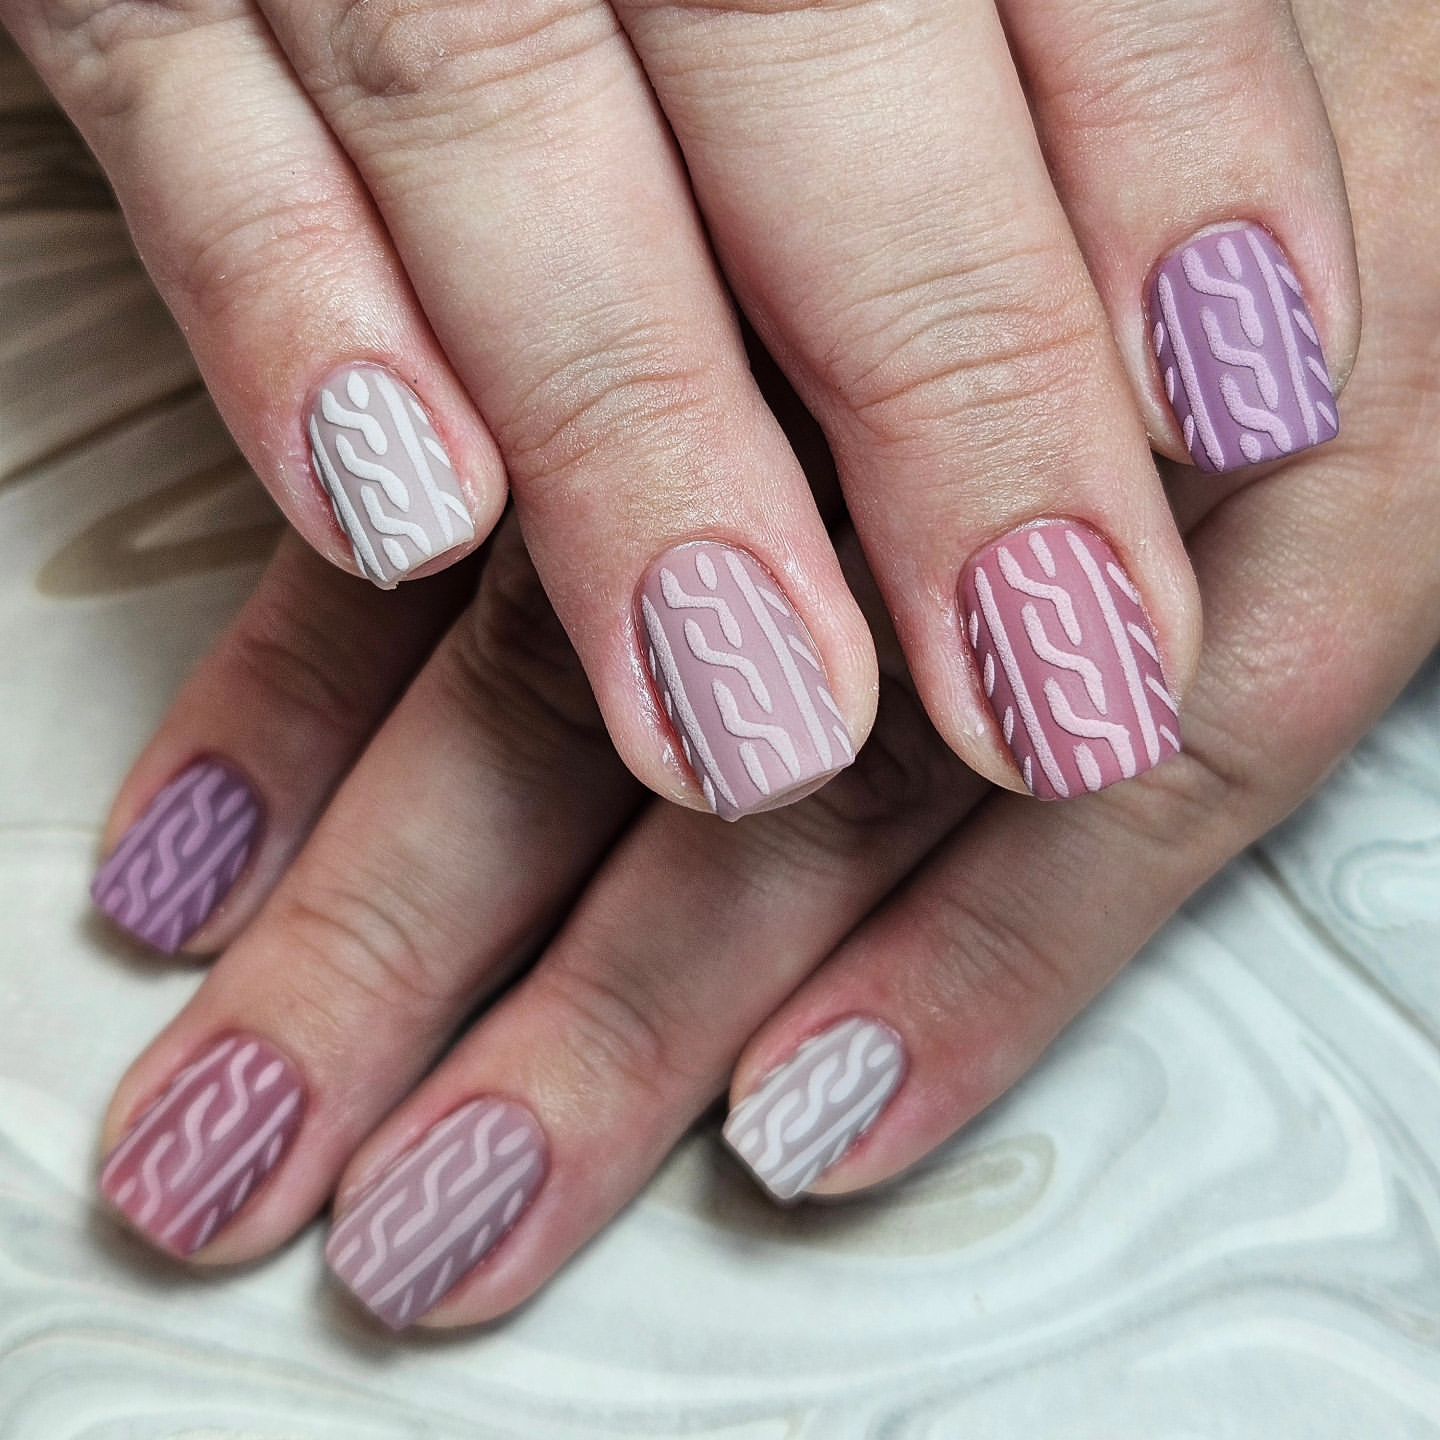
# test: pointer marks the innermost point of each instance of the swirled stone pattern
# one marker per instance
(1239, 355)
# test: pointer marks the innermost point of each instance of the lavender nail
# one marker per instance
(192, 1160)
(439, 1209)
(179, 860)
(1238, 351)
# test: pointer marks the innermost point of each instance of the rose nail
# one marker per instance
(1068, 660)
(439, 1209)
(390, 480)
(739, 679)
(179, 860)
(808, 1112)
(190, 1162)
(1239, 355)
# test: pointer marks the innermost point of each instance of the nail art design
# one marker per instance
(1068, 660)
(207, 1144)
(178, 861)
(809, 1111)
(389, 478)
(738, 678)
(1238, 351)
(439, 1209)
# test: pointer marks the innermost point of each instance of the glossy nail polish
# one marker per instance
(439, 1209)
(1067, 659)
(190, 1162)
(738, 678)
(179, 860)
(805, 1116)
(1239, 356)
(389, 478)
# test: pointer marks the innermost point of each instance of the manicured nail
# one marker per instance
(190, 1162)
(808, 1112)
(1239, 354)
(439, 1209)
(388, 476)
(178, 861)
(739, 679)
(1068, 660)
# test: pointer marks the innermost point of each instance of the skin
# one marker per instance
(686, 954)
(537, 215)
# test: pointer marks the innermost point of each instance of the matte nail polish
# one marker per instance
(190, 1162)
(180, 859)
(1068, 660)
(390, 480)
(1238, 352)
(805, 1116)
(439, 1209)
(738, 678)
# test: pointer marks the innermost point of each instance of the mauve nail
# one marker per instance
(389, 478)
(439, 1209)
(207, 1144)
(1239, 355)
(1068, 659)
(808, 1112)
(738, 678)
(178, 861)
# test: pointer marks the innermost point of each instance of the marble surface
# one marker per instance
(1211, 1215)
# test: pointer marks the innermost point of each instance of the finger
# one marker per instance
(224, 795)
(1192, 150)
(263, 242)
(477, 810)
(663, 508)
(935, 312)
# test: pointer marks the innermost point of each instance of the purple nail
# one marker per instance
(439, 1209)
(223, 1124)
(178, 861)
(1239, 355)
(739, 679)
(1068, 660)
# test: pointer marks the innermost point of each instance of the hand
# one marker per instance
(365, 215)
(963, 929)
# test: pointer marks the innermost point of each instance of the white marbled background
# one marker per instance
(1211, 1215)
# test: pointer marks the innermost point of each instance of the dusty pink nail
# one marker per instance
(1068, 659)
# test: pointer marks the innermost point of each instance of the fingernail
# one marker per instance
(1068, 660)
(439, 1209)
(389, 478)
(739, 679)
(179, 860)
(808, 1113)
(1239, 355)
(189, 1163)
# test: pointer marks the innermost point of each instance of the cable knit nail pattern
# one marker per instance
(1068, 660)
(178, 861)
(195, 1157)
(439, 1209)
(808, 1112)
(1238, 352)
(389, 478)
(738, 678)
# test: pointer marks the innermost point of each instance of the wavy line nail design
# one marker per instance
(738, 678)
(179, 860)
(1068, 660)
(1238, 351)
(389, 478)
(808, 1113)
(207, 1144)
(439, 1209)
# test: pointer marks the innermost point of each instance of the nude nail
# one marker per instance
(739, 679)
(807, 1114)
(439, 1209)
(391, 483)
